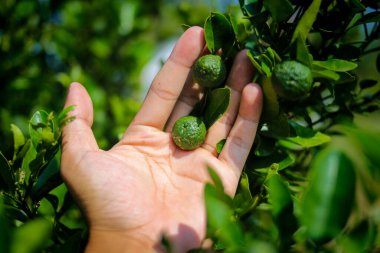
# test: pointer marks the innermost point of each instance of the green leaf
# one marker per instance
(328, 200)
(14, 213)
(279, 195)
(254, 62)
(316, 140)
(271, 107)
(6, 173)
(307, 137)
(219, 34)
(47, 181)
(29, 156)
(326, 74)
(282, 209)
(215, 179)
(378, 63)
(336, 65)
(306, 22)
(216, 105)
(220, 145)
(282, 159)
(357, 6)
(18, 139)
(369, 18)
(32, 236)
(243, 200)
(63, 117)
(251, 7)
(41, 128)
(303, 54)
(280, 10)
(219, 218)
(369, 141)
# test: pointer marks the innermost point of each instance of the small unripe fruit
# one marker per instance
(209, 71)
(292, 80)
(189, 132)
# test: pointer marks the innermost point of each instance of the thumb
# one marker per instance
(77, 136)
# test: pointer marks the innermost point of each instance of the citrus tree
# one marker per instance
(311, 182)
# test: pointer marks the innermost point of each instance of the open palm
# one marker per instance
(145, 186)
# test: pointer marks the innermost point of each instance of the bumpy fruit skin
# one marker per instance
(292, 80)
(189, 132)
(209, 71)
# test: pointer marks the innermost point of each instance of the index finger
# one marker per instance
(169, 82)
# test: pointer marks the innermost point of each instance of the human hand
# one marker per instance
(145, 186)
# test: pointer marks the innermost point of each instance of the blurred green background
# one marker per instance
(109, 46)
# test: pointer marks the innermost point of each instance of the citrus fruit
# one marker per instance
(189, 132)
(292, 80)
(209, 71)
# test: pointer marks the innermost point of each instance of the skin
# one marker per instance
(144, 186)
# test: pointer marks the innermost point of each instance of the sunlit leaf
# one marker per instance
(41, 127)
(306, 137)
(302, 52)
(326, 74)
(63, 117)
(305, 24)
(18, 138)
(336, 65)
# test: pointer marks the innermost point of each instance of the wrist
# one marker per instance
(117, 241)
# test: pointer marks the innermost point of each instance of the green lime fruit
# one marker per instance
(209, 71)
(189, 132)
(292, 80)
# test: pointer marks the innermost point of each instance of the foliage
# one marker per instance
(311, 182)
